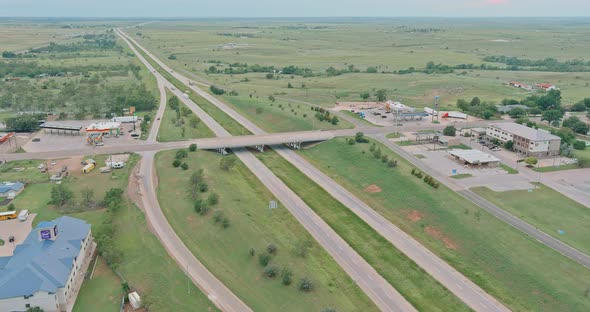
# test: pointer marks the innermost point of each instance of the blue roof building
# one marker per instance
(11, 189)
(45, 269)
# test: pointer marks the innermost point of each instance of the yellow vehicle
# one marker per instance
(89, 167)
(8, 215)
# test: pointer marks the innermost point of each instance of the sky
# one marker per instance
(292, 8)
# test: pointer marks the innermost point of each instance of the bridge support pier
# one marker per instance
(294, 145)
(260, 148)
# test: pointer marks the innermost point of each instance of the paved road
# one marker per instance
(457, 283)
(220, 295)
(376, 287)
(498, 212)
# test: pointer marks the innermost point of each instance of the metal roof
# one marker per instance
(473, 156)
(10, 186)
(525, 132)
(42, 265)
(60, 127)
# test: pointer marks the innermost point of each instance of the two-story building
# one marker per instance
(48, 268)
(527, 141)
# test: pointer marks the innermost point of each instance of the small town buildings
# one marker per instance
(527, 141)
(520, 85)
(9, 190)
(546, 86)
(47, 269)
(505, 109)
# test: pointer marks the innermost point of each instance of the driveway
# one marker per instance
(15, 228)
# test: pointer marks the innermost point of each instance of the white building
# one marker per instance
(48, 268)
(527, 141)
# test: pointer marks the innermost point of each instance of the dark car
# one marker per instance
(36, 140)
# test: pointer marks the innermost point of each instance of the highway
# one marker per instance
(463, 288)
(376, 287)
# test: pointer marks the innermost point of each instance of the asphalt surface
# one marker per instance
(463, 288)
(376, 287)
(498, 212)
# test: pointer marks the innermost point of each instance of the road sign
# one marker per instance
(454, 171)
(272, 204)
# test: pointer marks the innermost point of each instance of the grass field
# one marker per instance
(503, 261)
(424, 292)
(462, 176)
(225, 252)
(548, 210)
(385, 44)
(508, 169)
(102, 293)
(169, 131)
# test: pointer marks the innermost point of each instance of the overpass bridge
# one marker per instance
(292, 139)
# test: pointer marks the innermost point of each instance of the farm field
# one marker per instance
(504, 262)
(384, 44)
(171, 128)
(548, 210)
(232, 253)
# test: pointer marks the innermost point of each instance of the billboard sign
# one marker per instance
(45, 234)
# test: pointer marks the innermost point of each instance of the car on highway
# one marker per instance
(36, 140)
(158, 118)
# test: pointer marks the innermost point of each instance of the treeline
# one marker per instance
(91, 42)
(32, 69)
(237, 35)
(548, 64)
(244, 68)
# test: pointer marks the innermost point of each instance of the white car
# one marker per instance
(41, 166)
(496, 149)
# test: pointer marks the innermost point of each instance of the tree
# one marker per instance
(566, 134)
(270, 76)
(192, 147)
(216, 90)
(174, 102)
(184, 166)
(531, 161)
(271, 271)
(463, 105)
(180, 154)
(11, 207)
(286, 276)
(200, 207)
(579, 107)
(193, 121)
(272, 98)
(176, 163)
(172, 57)
(203, 186)
(365, 95)
(290, 86)
(377, 153)
(475, 101)
(271, 248)
(305, 284)
(263, 259)
(87, 197)
(450, 131)
(35, 309)
(580, 145)
(509, 145)
(213, 199)
(517, 112)
(8, 54)
(60, 195)
(227, 163)
(359, 137)
(371, 70)
(552, 115)
(334, 120)
(381, 95)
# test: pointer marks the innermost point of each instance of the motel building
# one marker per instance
(48, 268)
(527, 141)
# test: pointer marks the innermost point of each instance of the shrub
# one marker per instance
(252, 252)
(287, 276)
(180, 154)
(201, 207)
(450, 131)
(203, 186)
(271, 248)
(264, 259)
(271, 271)
(384, 159)
(305, 284)
(184, 166)
(216, 90)
(225, 222)
(580, 145)
(218, 216)
(11, 207)
(176, 163)
(192, 147)
(392, 163)
(213, 199)
(377, 153)
(359, 137)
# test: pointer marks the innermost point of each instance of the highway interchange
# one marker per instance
(376, 287)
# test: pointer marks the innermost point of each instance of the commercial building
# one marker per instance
(474, 158)
(527, 141)
(48, 268)
(112, 128)
(9, 190)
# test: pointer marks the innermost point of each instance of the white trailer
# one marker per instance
(455, 115)
(124, 119)
(430, 111)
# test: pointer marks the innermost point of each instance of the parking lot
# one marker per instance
(51, 141)
(16, 228)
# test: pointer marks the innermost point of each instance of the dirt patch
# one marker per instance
(372, 189)
(415, 216)
(74, 164)
(436, 233)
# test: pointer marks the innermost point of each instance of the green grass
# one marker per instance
(393, 135)
(356, 116)
(460, 146)
(508, 169)
(461, 176)
(169, 131)
(419, 288)
(556, 168)
(419, 156)
(225, 252)
(548, 210)
(280, 116)
(102, 293)
(503, 261)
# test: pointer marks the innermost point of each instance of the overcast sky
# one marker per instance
(291, 8)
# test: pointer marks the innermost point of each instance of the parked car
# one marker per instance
(36, 140)
(99, 144)
(41, 166)
(495, 149)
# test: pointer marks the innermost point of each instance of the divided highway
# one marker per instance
(376, 287)
(457, 283)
